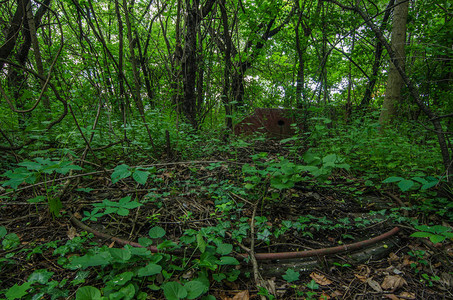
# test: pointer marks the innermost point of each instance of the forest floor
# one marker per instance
(184, 196)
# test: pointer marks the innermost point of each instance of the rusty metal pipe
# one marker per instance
(258, 256)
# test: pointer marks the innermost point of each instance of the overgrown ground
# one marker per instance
(202, 217)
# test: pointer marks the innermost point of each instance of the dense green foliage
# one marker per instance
(91, 87)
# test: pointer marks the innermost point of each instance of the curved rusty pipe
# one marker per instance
(324, 251)
(258, 256)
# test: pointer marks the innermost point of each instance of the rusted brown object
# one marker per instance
(275, 122)
(258, 256)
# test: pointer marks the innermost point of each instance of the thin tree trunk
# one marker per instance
(189, 64)
(348, 109)
(145, 70)
(227, 68)
(37, 53)
(136, 94)
(377, 60)
(413, 90)
(120, 55)
(13, 30)
(395, 81)
(301, 48)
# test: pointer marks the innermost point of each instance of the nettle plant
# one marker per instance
(421, 183)
(47, 170)
(280, 173)
(121, 208)
(125, 204)
(139, 174)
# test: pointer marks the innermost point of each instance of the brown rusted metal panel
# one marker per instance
(275, 122)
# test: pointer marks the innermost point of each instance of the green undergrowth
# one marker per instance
(402, 150)
(347, 159)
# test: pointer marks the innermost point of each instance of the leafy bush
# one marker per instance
(398, 151)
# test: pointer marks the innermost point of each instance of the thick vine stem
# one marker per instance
(258, 256)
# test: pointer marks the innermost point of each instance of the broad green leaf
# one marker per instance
(145, 253)
(149, 270)
(64, 170)
(343, 166)
(174, 291)
(120, 254)
(420, 180)
(41, 276)
(132, 205)
(145, 242)
(19, 176)
(280, 184)
(424, 227)
(167, 244)
(3, 231)
(421, 234)
(219, 277)
(313, 285)
(10, 241)
(80, 277)
(392, 179)
(331, 158)
(228, 260)
(233, 275)
(88, 293)
(224, 249)
(208, 260)
(31, 165)
(436, 238)
(124, 201)
(83, 262)
(110, 210)
(122, 211)
(36, 199)
(248, 186)
(55, 206)
(120, 172)
(405, 185)
(45, 161)
(201, 243)
(17, 291)
(195, 289)
(429, 185)
(310, 169)
(291, 275)
(311, 159)
(156, 232)
(440, 229)
(140, 176)
(107, 202)
(122, 279)
(127, 292)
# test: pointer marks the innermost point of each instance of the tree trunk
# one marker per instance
(192, 86)
(395, 81)
(37, 54)
(190, 65)
(377, 60)
(301, 48)
(136, 93)
(12, 33)
(227, 68)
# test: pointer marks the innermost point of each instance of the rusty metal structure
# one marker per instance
(274, 122)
